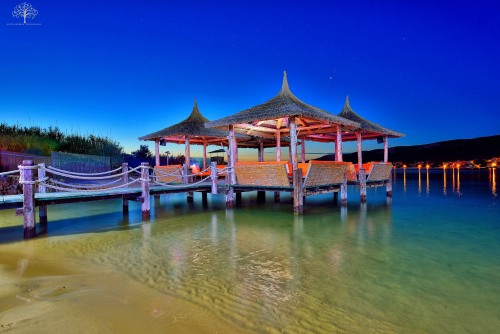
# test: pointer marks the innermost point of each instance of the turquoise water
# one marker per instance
(427, 261)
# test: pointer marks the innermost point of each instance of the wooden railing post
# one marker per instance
(185, 173)
(26, 179)
(125, 180)
(42, 209)
(213, 176)
(146, 205)
(298, 195)
(362, 185)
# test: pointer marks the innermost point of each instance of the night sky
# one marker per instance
(123, 69)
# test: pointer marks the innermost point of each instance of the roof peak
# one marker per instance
(284, 86)
(347, 104)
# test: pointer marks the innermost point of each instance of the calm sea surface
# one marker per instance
(428, 261)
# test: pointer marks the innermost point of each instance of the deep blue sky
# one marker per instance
(123, 69)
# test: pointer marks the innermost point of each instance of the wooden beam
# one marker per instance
(279, 123)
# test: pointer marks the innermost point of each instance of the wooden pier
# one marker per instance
(44, 186)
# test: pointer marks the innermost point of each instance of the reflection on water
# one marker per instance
(492, 180)
(444, 180)
(407, 264)
(404, 178)
(427, 183)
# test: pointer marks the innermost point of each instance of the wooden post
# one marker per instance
(388, 185)
(204, 197)
(278, 145)
(125, 180)
(298, 195)
(230, 172)
(362, 185)
(261, 151)
(335, 197)
(204, 154)
(360, 153)
(185, 173)
(213, 176)
(235, 150)
(42, 209)
(238, 198)
(26, 179)
(338, 144)
(303, 150)
(277, 197)
(157, 152)
(146, 205)
(343, 191)
(386, 148)
(261, 196)
(293, 141)
(187, 152)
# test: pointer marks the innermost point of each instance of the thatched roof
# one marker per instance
(273, 114)
(369, 130)
(193, 126)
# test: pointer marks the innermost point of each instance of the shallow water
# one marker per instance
(427, 261)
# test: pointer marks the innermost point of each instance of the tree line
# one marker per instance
(42, 141)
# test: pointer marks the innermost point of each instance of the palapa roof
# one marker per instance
(193, 127)
(369, 130)
(271, 116)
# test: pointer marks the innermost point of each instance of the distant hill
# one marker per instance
(451, 150)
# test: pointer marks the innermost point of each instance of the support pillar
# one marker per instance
(204, 154)
(362, 185)
(386, 148)
(261, 151)
(298, 195)
(125, 180)
(146, 205)
(238, 199)
(360, 152)
(338, 144)
(157, 152)
(343, 191)
(388, 186)
(42, 209)
(26, 179)
(231, 174)
(186, 171)
(213, 176)
(261, 196)
(303, 150)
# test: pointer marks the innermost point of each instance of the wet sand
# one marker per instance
(44, 295)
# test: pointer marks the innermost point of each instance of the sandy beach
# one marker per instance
(41, 295)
